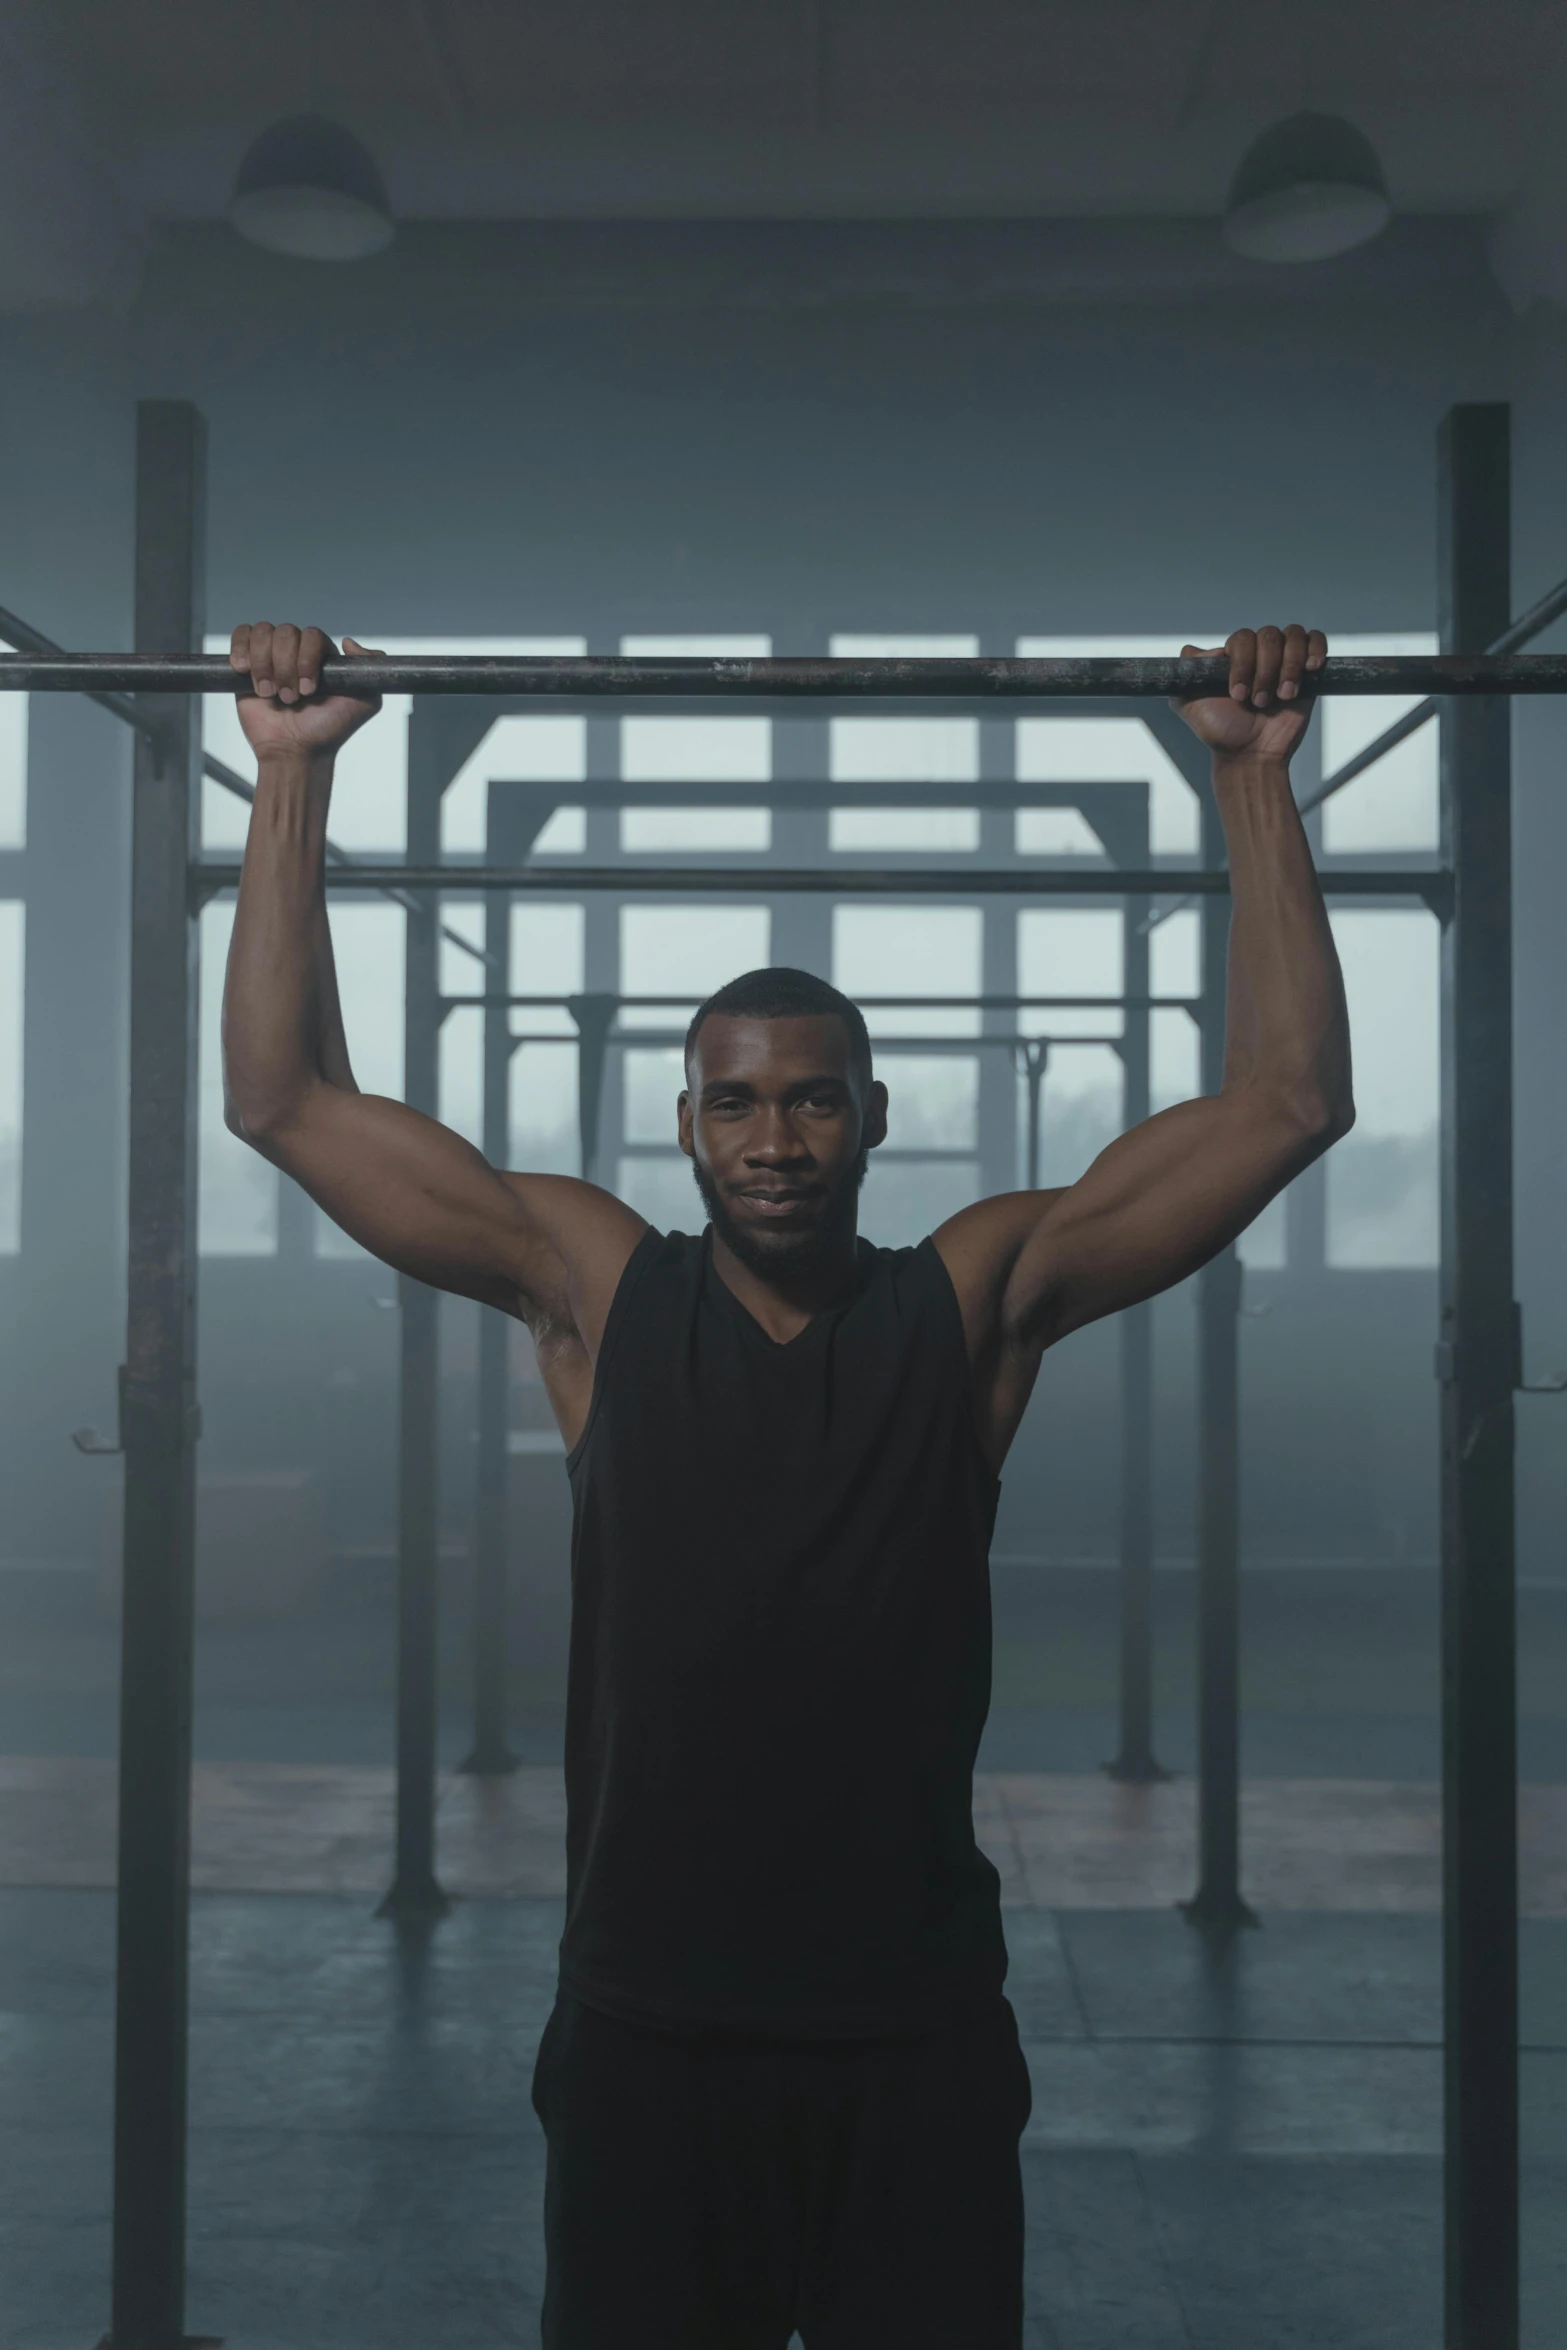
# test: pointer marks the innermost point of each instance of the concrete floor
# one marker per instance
(1229, 2150)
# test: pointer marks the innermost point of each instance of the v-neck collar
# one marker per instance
(715, 1286)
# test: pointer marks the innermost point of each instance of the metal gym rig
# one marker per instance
(1478, 1352)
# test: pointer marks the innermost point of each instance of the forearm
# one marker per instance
(282, 1026)
(1287, 1036)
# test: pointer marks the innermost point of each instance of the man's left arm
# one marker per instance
(1164, 1198)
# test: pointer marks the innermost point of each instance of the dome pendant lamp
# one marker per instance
(1309, 188)
(309, 188)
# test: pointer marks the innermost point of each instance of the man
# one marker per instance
(781, 2085)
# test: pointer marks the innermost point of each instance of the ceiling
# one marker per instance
(118, 114)
(791, 108)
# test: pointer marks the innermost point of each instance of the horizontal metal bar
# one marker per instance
(668, 1039)
(866, 1003)
(1433, 884)
(593, 680)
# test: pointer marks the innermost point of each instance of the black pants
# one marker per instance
(705, 2192)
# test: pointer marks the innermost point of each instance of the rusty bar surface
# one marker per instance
(1431, 883)
(664, 683)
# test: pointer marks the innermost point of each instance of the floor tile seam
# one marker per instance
(1069, 1962)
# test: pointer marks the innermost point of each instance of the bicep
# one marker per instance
(1153, 1208)
(424, 1201)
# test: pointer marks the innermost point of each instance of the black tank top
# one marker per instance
(780, 1660)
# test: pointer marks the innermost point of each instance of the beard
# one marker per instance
(790, 1256)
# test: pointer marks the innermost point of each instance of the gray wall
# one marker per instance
(603, 431)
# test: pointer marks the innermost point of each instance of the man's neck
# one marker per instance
(781, 1304)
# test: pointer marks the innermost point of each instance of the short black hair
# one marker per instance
(781, 993)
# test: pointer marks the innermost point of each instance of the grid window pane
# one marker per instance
(1081, 1109)
(955, 830)
(13, 769)
(685, 952)
(701, 829)
(1072, 951)
(565, 835)
(904, 750)
(519, 748)
(1111, 750)
(652, 1082)
(910, 950)
(1175, 954)
(460, 973)
(237, 1201)
(933, 1101)
(13, 936)
(1394, 804)
(547, 946)
(1056, 832)
(1382, 1196)
(545, 1133)
(697, 750)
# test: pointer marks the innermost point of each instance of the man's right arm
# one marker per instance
(546, 1248)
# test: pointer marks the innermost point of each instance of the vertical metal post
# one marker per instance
(1135, 1760)
(490, 1756)
(1478, 1364)
(416, 1890)
(158, 1419)
(1217, 1901)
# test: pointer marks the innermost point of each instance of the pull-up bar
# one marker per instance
(668, 683)
(1432, 883)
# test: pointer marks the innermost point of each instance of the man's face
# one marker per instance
(778, 1126)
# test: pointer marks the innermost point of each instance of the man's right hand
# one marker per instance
(284, 668)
